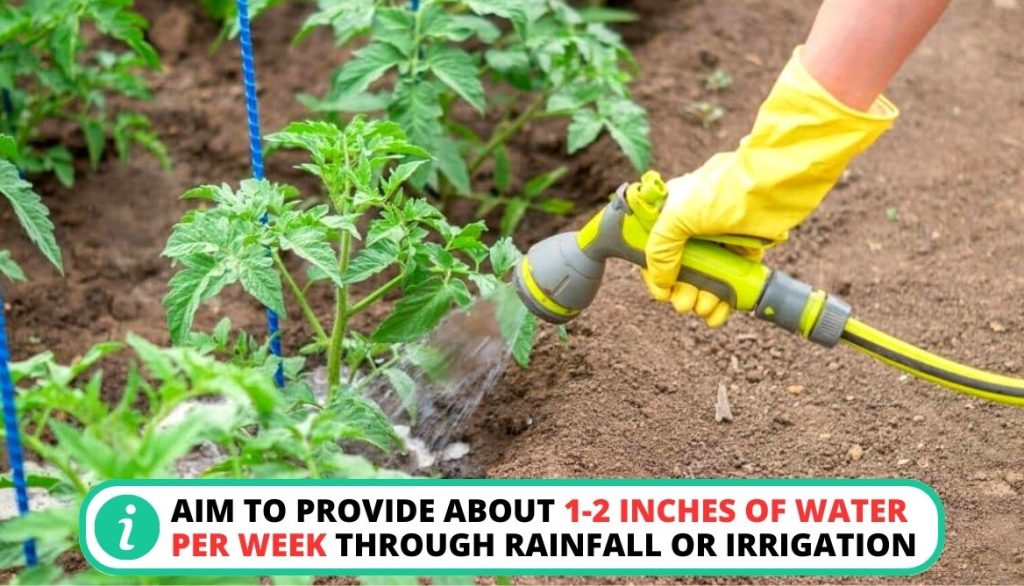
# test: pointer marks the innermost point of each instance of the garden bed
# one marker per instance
(922, 238)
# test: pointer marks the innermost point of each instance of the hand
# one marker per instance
(674, 227)
(801, 142)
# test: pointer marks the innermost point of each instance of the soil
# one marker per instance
(922, 237)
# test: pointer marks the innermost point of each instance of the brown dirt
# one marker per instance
(633, 395)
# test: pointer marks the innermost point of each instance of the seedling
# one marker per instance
(547, 59)
(718, 80)
(30, 211)
(54, 72)
(705, 112)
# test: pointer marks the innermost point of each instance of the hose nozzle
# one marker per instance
(560, 276)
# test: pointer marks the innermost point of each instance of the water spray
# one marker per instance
(560, 277)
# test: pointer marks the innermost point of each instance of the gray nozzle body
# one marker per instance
(558, 279)
(563, 273)
(785, 300)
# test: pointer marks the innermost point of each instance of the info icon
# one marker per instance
(127, 527)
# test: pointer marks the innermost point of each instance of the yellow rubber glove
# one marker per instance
(802, 140)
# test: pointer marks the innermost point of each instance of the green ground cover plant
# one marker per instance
(544, 58)
(64, 62)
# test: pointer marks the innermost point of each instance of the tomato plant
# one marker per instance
(55, 69)
(405, 245)
(550, 61)
(28, 208)
(179, 400)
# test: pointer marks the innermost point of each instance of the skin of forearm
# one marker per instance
(856, 46)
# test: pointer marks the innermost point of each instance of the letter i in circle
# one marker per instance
(126, 532)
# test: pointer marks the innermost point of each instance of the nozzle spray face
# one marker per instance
(556, 280)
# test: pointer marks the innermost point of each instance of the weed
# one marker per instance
(53, 71)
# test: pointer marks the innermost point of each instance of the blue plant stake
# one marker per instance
(252, 106)
(15, 454)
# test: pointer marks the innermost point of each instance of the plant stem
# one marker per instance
(300, 297)
(340, 323)
(369, 300)
(39, 447)
(506, 132)
(338, 331)
(311, 467)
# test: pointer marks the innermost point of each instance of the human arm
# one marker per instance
(825, 108)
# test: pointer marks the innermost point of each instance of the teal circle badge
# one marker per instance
(127, 527)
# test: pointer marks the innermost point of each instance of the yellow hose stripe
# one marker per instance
(866, 332)
(540, 296)
(998, 398)
(812, 311)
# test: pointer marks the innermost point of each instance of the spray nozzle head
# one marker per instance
(556, 280)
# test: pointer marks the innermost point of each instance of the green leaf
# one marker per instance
(513, 65)
(8, 148)
(31, 213)
(369, 65)
(355, 417)
(513, 11)
(95, 140)
(459, 71)
(417, 108)
(9, 268)
(584, 129)
(85, 450)
(370, 261)
(312, 245)
(554, 206)
(396, 27)
(502, 168)
(260, 279)
(47, 525)
(517, 324)
(58, 159)
(461, 27)
(628, 125)
(515, 209)
(450, 162)
(504, 257)
(187, 290)
(417, 313)
(347, 18)
(405, 388)
(543, 182)
(400, 175)
(63, 43)
(126, 26)
(606, 15)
